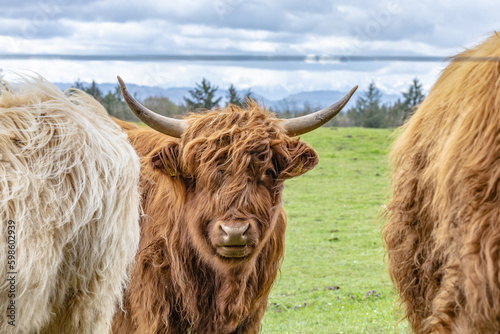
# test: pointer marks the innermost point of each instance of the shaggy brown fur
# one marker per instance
(230, 164)
(443, 232)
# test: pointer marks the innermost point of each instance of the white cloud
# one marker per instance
(352, 13)
(391, 27)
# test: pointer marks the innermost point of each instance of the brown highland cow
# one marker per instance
(443, 232)
(213, 229)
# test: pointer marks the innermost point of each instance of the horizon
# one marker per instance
(244, 28)
(311, 98)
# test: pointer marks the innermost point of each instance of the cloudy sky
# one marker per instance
(244, 27)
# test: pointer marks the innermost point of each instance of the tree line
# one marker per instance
(200, 98)
(368, 111)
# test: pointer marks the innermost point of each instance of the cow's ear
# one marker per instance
(167, 159)
(294, 158)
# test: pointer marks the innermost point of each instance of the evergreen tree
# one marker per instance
(414, 96)
(397, 114)
(94, 91)
(79, 85)
(402, 110)
(203, 96)
(234, 98)
(116, 106)
(368, 111)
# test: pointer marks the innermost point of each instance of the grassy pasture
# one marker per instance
(334, 277)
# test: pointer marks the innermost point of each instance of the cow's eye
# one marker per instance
(270, 172)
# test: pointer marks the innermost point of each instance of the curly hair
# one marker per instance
(443, 228)
(69, 184)
(230, 164)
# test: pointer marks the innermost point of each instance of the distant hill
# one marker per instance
(323, 98)
(315, 99)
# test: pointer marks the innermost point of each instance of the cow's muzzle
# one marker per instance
(233, 239)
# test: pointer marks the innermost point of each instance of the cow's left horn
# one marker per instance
(169, 126)
(300, 125)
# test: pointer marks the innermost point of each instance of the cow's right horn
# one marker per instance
(303, 124)
(169, 126)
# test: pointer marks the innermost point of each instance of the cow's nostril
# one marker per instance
(222, 230)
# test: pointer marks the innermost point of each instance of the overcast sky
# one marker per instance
(257, 27)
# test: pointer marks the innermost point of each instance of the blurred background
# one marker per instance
(294, 56)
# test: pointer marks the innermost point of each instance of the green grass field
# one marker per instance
(334, 277)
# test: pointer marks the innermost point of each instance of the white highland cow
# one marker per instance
(69, 211)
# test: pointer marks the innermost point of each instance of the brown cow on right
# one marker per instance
(443, 232)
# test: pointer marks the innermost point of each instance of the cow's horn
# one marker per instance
(300, 125)
(169, 126)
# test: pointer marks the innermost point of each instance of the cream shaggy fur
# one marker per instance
(68, 179)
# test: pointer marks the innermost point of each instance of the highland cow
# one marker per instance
(213, 230)
(69, 207)
(443, 231)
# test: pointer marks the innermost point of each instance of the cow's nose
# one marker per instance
(234, 235)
